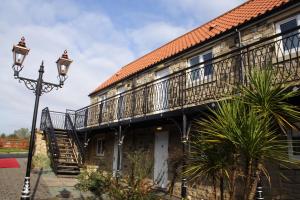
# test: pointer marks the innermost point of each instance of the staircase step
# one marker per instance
(68, 172)
(67, 163)
(64, 145)
(61, 135)
(64, 153)
(63, 139)
(59, 166)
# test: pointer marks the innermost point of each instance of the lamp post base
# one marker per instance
(26, 189)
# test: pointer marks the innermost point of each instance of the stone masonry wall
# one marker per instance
(40, 144)
(102, 162)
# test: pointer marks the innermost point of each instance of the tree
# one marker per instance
(22, 133)
(3, 135)
(250, 127)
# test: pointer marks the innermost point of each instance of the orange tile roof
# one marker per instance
(237, 16)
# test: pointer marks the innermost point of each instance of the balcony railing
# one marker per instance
(199, 84)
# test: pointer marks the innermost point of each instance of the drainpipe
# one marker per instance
(184, 152)
(241, 65)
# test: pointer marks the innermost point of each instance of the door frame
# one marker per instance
(158, 159)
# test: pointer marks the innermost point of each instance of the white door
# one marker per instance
(115, 157)
(161, 91)
(161, 159)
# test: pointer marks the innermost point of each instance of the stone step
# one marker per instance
(67, 172)
(61, 135)
(67, 163)
(68, 167)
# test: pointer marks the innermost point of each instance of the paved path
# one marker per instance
(44, 184)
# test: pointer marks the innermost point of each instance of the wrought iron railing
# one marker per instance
(76, 143)
(47, 127)
(62, 121)
(199, 84)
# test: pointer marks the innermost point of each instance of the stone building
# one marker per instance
(149, 103)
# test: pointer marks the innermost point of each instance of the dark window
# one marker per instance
(195, 73)
(194, 61)
(290, 40)
(100, 147)
(208, 68)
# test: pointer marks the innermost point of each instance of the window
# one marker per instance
(203, 71)
(208, 68)
(102, 102)
(290, 41)
(294, 143)
(100, 147)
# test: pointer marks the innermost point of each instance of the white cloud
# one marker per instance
(154, 35)
(97, 45)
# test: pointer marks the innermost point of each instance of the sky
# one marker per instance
(101, 36)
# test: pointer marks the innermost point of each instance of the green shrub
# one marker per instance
(41, 161)
(135, 186)
(97, 182)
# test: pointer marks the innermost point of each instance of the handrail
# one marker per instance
(47, 127)
(76, 144)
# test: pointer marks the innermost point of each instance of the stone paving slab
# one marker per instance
(44, 184)
(12, 179)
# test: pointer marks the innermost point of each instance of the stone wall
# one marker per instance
(105, 161)
(40, 144)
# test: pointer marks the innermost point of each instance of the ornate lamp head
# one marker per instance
(63, 64)
(20, 51)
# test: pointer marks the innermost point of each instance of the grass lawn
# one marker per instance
(12, 150)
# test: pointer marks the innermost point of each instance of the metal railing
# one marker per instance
(51, 121)
(75, 142)
(47, 126)
(199, 84)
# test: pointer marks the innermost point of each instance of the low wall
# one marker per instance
(14, 143)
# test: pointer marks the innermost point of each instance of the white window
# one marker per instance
(100, 147)
(290, 41)
(161, 90)
(202, 71)
(294, 143)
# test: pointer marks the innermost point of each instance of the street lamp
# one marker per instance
(39, 87)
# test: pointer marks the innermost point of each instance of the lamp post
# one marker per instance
(39, 87)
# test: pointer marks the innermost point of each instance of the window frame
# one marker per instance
(290, 143)
(278, 30)
(201, 76)
(102, 147)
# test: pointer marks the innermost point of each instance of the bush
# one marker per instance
(41, 161)
(135, 186)
(97, 182)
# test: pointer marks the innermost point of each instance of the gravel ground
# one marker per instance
(44, 184)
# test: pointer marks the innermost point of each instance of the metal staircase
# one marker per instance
(64, 148)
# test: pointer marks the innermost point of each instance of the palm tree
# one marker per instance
(271, 99)
(249, 126)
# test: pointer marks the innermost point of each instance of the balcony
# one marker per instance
(193, 86)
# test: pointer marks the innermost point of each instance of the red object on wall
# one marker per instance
(9, 163)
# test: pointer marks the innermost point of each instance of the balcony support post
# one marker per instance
(185, 132)
(120, 143)
(259, 190)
